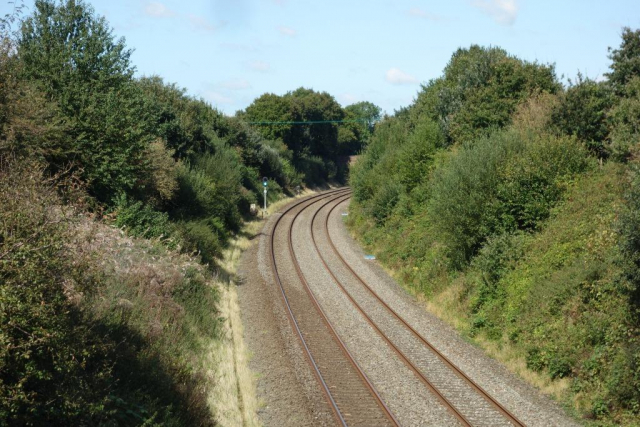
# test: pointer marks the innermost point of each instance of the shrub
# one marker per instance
(481, 88)
(384, 201)
(624, 120)
(161, 183)
(51, 363)
(507, 181)
(204, 192)
(416, 156)
(204, 237)
(141, 220)
(629, 227)
(582, 112)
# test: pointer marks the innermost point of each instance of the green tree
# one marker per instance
(314, 146)
(190, 126)
(582, 112)
(480, 90)
(71, 55)
(271, 108)
(353, 135)
(625, 61)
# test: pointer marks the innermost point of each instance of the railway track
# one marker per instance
(350, 395)
(327, 354)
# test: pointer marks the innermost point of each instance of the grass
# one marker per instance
(233, 398)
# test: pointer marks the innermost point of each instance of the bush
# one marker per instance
(507, 181)
(481, 89)
(141, 220)
(204, 237)
(80, 318)
(629, 227)
(50, 362)
(624, 120)
(161, 183)
(384, 201)
(582, 112)
(209, 188)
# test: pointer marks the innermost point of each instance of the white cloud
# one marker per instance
(261, 66)
(504, 12)
(158, 10)
(398, 77)
(287, 31)
(201, 23)
(236, 84)
(419, 13)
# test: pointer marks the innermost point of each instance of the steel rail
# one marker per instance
(445, 402)
(326, 390)
(505, 412)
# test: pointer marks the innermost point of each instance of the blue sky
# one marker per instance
(231, 51)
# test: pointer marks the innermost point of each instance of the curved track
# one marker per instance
(349, 393)
(351, 396)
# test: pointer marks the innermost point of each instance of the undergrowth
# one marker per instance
(95, 327)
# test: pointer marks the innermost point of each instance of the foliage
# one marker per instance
(479, 91)
(49, 369)
(582, 112)
(561, 298)
(630, 233)
(161, 183)
(508, 181)
(189, 126)
(141, 220)
(625, 61)
(29, 124)
(624, 120)
(352, 136)
(71, 55)
(73, 352)
(316, 148)
(203, 237)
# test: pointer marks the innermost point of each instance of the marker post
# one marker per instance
(265, 183)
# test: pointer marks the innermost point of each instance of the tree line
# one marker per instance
(92, 332)
(494, 191)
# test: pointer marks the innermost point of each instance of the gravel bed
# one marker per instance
(357, 405)
(525, 402)
(469, 403)
(400, 389)
(286, 388)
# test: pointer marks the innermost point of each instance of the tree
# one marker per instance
(626, 59)
(582, 112)
(314, 145)
(319, 139)
(190, 126)
(480, 90)
(73, 58)
(270, 107)
(360, 121)
(367, 111)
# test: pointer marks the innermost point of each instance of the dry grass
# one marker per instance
(233, 399)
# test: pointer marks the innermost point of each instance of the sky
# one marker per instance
(229, 52)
